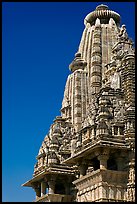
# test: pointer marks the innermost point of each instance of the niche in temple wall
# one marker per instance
(115, 81)
(119, 110)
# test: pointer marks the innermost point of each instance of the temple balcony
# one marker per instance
(55, 198)
(90, 139)
(102, 185)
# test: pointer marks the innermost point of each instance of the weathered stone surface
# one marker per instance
(88, 154)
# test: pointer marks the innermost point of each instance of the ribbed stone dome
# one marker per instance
(104, 14)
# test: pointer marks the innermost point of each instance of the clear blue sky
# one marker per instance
(39, 40)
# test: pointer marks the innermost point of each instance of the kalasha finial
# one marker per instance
(102, 7)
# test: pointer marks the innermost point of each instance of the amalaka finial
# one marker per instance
(102, 7)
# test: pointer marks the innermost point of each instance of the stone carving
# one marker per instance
(73, 146)
(123, 33)
(131, 195)
(115, 81)
(119, 115)
(119, 111)
(131, 183)
(97, 23)
(41, 151)
(86, 122)
(88, 147)
(132, 176)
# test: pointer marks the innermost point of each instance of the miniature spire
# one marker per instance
(77, 63)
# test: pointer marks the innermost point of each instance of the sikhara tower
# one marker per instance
(89, 153)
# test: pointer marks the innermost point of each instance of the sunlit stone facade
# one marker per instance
(89, 153)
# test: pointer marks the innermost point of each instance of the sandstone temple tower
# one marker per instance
(89, 153)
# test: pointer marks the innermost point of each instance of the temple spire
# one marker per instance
(92, 143)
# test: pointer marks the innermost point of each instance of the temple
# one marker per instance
(88, 154)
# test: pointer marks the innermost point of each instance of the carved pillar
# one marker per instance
(51, 184)
(73, 146)
(112, 130)
(43, 188)
(131, 182)
(103, 161)
(67, 182)
(93, 133)
(83, 168)
(37, 191)
(118, 131)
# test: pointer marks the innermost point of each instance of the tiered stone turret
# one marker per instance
(89, 152)
(76, 92)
